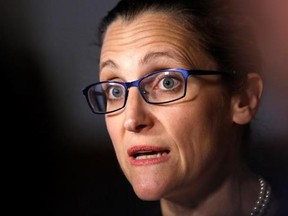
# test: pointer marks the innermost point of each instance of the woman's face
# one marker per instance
(172, 149)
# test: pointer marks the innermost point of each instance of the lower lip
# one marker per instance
(149, 161)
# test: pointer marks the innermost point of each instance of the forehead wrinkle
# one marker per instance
(157, 39)
(184, 56)
(174, 51)
(123, 31)
(147, 20)
(185, 47)
(125, 37)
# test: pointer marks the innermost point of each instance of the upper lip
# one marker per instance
(143, 149)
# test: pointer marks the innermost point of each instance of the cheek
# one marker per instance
(196, 132)
(194, 136)
(111, 130)
(194, 121)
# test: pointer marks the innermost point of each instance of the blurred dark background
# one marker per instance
(57, 157)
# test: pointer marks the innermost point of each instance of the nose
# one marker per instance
(137, 115)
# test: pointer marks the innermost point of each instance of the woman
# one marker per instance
(179, 84)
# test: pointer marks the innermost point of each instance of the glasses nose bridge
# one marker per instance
(134, 83)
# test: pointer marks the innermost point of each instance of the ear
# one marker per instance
(245, 105)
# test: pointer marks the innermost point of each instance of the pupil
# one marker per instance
(116, 92)
(168, 83)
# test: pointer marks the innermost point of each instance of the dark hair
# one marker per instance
(224, 30)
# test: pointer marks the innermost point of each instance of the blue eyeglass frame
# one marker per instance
(127, 85)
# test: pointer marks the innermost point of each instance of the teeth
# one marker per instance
(158, 155)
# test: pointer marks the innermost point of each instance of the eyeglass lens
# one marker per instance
(161, 87)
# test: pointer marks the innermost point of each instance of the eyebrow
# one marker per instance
(154, 55)
(108, 63)
(145, 60)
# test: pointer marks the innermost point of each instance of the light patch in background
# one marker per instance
(272, 32)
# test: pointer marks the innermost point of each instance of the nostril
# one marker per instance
(140, 127)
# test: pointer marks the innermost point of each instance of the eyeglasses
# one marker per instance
(159, 87)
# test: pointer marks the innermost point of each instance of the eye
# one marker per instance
(115, 92)
(167, 83)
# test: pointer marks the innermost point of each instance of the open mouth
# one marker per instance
(141, 155)
(147, 152)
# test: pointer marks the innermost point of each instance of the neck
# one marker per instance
(234, 195)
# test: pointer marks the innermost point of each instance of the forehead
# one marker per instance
(146, 22)
(149, 28)
(152, 32)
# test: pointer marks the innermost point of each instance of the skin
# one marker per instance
(203, 168)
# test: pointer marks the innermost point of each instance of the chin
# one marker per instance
(148, 191)
(147, 196)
